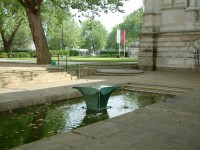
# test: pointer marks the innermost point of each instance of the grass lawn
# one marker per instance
(99, 59)
(20, 58)
(86, 59)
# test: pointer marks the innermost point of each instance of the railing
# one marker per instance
(66, 63)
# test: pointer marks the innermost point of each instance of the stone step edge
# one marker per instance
(154, 91)
(156, 88)
(154, 85)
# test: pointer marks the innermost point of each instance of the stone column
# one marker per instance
(190, 15)
(149, 5)
(192, 4)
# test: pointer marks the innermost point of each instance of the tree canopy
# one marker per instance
(51, 24)
(95, 35)
(87, 8)
(11, 18)
(66, 34)
(132, 24)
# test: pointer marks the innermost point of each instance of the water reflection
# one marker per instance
(34, 123)
(92, 117)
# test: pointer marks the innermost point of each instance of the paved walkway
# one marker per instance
(170, 125)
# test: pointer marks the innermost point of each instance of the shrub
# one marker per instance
(73, 53)
(3, 55)
(28, 54)
(55, 53)
(113, 53)
(19, 54)
(32, 54)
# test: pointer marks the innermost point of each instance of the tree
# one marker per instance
(65, 34)
(32, 8)
(95, 35)
(33, 11)
(23, 39)
(112, 40)
(11, 18)
(132, 24)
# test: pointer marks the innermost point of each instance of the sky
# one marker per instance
(111, 19)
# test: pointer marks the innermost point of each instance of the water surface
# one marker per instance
(18, 127)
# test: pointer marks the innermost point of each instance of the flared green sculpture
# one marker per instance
(96, 97)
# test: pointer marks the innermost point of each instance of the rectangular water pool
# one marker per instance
(18, 127)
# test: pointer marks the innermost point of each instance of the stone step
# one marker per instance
(153, 91)
(35, 81)
(196, 69)
(156, 89)
(113, 74)
(110, 66)
(26, 77)
(117, 72)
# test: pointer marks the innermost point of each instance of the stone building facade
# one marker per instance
(170, 36)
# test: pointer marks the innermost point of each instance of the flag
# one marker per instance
(123, 37)
(118, 36)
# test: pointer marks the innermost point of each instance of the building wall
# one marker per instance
(170, 34)
(133, 49)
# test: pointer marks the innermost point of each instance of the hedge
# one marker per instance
(3, 55)
(32, 54)
(113, 53)
(64, 52)
(29, 54)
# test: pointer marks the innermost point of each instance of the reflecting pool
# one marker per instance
(18, 127)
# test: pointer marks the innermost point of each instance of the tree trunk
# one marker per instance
(8, 42)
(39, 39)
(7, 46)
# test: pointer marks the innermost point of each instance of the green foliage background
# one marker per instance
(62, 32)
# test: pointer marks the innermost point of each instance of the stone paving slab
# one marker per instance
(188, 103)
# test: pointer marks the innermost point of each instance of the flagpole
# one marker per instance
(118, 39)
(124, 40)
(124, 49)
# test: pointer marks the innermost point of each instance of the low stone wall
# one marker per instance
(84, 72)
(38, 99)
(24, 99)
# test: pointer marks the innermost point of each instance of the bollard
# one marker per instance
(53, 63)
(66, 63)
(58, 60)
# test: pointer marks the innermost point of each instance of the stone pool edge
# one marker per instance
(172, 124)
(21, 99)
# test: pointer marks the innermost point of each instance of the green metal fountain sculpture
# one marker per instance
(96, 97)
